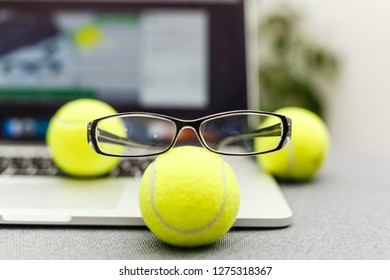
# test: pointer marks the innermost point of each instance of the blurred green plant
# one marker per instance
(293, 68)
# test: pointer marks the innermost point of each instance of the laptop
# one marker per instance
(180, 58)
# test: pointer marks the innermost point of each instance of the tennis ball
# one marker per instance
(88, 36)
(66, 138)
(304, 155)
(189, 197)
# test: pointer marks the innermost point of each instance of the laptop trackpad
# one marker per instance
(60, 193)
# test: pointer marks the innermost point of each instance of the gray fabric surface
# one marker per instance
(343, 214)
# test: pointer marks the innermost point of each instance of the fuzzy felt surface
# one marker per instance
(189, 197)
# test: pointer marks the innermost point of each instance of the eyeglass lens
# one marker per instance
(242, 130)
(140, 135)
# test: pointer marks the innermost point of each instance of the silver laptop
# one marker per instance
(180, 58)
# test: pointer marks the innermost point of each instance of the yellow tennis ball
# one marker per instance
(67, 138)
(306, 152)
(88, 36)
(189, 197)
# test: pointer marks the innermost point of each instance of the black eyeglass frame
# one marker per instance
(195, 125)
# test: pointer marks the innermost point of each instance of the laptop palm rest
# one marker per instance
(57, 193)
(114, 201)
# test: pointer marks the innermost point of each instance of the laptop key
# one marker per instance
(26, 172)
(21, 163)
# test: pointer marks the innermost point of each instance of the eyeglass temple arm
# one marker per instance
(108, 137)
(274, 130)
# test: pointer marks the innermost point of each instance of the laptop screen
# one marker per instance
(182, 58)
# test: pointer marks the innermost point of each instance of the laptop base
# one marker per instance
(114, 201)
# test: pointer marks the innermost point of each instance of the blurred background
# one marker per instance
(350, 75)
(329, 56)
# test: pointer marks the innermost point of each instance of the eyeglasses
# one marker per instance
(148, 134)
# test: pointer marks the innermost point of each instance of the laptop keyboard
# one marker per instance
(44, 166)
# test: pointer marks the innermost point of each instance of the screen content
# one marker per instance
(152, 58)
(176, 58)
(147, 59)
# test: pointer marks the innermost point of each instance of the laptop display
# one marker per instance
(182, 58)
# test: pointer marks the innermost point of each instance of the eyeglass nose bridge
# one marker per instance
(191, 125)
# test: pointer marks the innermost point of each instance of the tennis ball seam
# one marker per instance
(181, 231)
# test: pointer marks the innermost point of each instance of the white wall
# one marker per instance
(358, 105)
